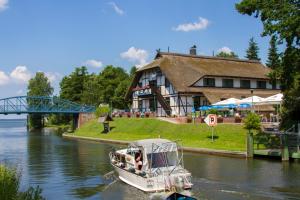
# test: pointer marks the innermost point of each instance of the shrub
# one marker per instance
(213, 111)
(102, 111)
(9, 186)
(252, 122)
(9, 183)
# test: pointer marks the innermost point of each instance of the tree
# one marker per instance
(252, 51)
(274, 61)
(72, 86)
(92, 90)
(132, 71)
(38, 86)
(282, 19)
(114, 81)
(227, 55)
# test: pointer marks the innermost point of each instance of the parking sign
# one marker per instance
(211, 120)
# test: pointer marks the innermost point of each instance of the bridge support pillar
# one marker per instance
(250, 144)
(75, 121)
(285, 149)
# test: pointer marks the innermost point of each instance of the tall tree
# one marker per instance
(227, 55)
(282, 18)
(92, 90)
(110, 79)
(72, 86)
(38, 86)
(252, 51)
(273, 61)
(132, 71)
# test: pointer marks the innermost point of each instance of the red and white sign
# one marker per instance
(211, 120)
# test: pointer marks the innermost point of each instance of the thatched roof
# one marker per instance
(183, 70)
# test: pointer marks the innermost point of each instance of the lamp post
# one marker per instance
(252, 110)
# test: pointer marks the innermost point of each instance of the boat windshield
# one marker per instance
(162, 159)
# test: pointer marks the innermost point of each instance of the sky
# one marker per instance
(55, 36)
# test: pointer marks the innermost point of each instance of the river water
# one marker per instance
(69, 169)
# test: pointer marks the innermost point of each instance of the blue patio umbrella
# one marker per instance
(244, 105)
(217, 106)
(203, 108)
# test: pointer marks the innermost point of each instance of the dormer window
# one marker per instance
(209, 82)
(227, 83)
(261, 84)
(245, 83)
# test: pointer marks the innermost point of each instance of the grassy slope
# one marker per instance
(230, 136)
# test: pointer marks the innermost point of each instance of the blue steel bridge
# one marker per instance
(42, 105)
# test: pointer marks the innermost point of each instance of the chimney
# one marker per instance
(193, 50)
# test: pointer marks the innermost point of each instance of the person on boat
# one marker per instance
(139, 160)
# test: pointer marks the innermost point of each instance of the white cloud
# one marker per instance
(116, 8)
(4, 79)
(53, 76)
(201, 24)
(20, 74)
(3, 5)
(225, 50)
(135, 55)
(93, 63)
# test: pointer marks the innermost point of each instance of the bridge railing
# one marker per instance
(39, 104)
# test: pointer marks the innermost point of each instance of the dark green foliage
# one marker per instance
(227, 55)
(274, 61)
(38, 86)
(72, 86)
(107, 87)
(282, 19)
(252, 122)
(115, 84)
(252, 51)
(9, 186)
(132, 71)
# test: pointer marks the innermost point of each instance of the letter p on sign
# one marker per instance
(211, 120)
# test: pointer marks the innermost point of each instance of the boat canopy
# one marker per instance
(155, 145)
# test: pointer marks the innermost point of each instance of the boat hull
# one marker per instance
(154, 184)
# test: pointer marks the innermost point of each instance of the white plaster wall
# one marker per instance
(237, 82)
(218, 82)
(253, 83)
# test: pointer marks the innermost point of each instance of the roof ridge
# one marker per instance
(206, 57)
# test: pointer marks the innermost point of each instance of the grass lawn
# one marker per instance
(228, 136)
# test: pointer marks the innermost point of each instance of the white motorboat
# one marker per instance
(152, 165)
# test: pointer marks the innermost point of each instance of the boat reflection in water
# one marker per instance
(152, 165)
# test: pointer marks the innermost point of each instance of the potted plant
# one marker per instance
(220, 119)
(147, 114)
(237, 119)
(137, 114)
(128, 114)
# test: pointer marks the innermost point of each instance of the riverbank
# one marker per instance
(227, 137)
(237, 154)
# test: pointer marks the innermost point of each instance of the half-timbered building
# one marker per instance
(173, 83)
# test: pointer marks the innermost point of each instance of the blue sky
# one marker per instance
(55, 36)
